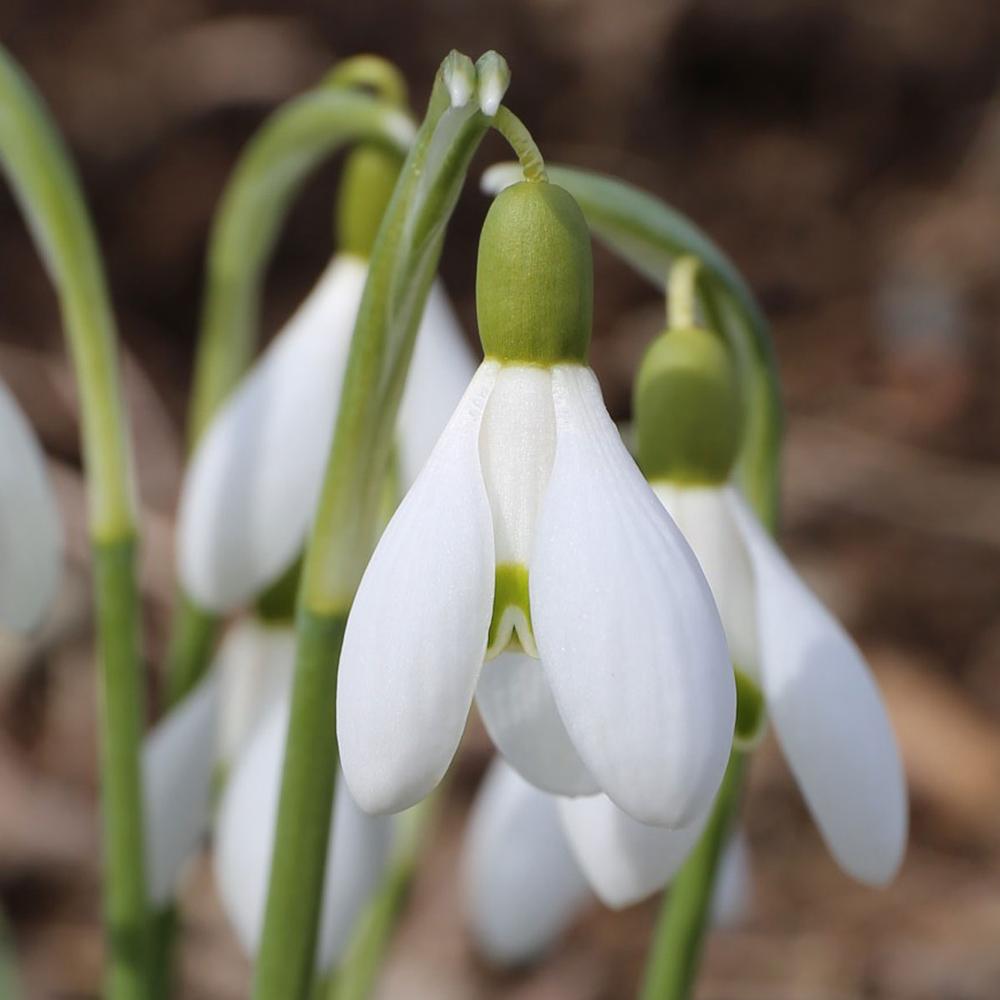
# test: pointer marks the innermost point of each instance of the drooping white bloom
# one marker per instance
(825, 706)
(531, 860)
(178, 765)
(30, 529)
(531, 527)
(254, 480)
(358, 848)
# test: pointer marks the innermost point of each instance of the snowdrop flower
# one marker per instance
(530, 863)
(531, 541)
(793, 661)
(235, 722)
(30, 530)
(255, 477)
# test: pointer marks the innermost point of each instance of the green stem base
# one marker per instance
(680, 934)
(285, 964)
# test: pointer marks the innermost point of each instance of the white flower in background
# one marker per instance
(523, 880)
(30, 529)
(825, 706)
(531, 531)
(235, 721)
(793, 661)
(358, 847)
(254, 480)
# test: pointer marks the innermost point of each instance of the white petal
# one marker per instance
(521, 717)
(255, 477)
(255, 663)
(828, 717)
(731, 898)
(178, 765)
(517, 446)
(245, 837)
(440, 372)
(30, 529)
(624, 860)
(625, 623)
(522, 887)
(704, 516)
(416, 634)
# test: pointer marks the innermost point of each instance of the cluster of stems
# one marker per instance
(360, 101)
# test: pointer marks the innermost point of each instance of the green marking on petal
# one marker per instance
(751, 712)
(510, 627)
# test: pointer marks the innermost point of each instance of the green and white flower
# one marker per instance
(531, 542)
(794, 662)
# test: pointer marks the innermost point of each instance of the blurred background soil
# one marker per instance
(847, 155)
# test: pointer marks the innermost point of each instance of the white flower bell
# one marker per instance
(30, 529)
(531, 533)
(791, 657)
(255, 477)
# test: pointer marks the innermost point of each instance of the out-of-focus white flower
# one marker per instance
(30, 529)
(235, 721)
(358, 848)
(827, 713)
(255, 477)
(521, 885)
(531, 860)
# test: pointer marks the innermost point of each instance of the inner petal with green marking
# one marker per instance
(510, 627)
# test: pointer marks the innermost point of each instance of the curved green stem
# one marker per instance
(373, 73)
(521, 141)
(681, 292)
(403, 262)
(676, 948)
(45, 183)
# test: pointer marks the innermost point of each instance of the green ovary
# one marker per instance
(510, 627)
(751, 712)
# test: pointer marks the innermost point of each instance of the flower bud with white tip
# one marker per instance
(531, 532)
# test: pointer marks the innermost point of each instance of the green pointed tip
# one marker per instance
(459, 76)
(535, 277)
(493, 75)
(366, 186)
(688, 409)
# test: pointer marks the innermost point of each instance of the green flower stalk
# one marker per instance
(402, 266)
(39, 170)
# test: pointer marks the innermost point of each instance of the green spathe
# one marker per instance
(535, 277)
(688, 409)
(369, 178)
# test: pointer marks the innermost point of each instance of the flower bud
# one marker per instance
(535, 277)
(688, 409)
(368, 180)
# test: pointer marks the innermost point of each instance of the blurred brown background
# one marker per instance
(847, 155)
